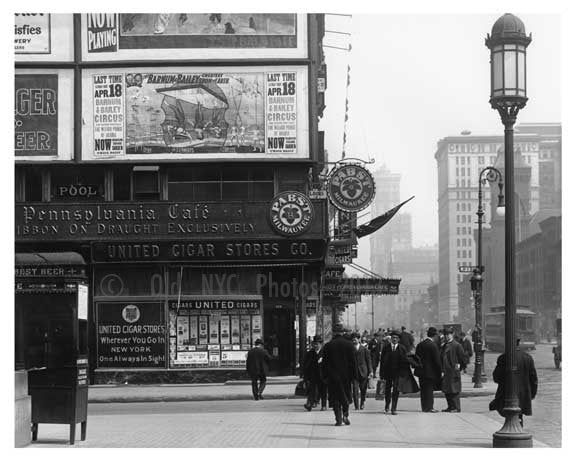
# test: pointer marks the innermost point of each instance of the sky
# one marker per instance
(417, 78)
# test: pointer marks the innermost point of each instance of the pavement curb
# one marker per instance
(244, 396)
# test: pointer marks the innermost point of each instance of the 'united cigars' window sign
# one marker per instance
(43, 114)
(350, 187)
(195, 113)
(130, 335)
(43, 37)
(176, 36)
(146, 221)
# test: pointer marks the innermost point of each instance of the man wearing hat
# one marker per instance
(311, 374)
(453, 360)
(393, 362)
(364, 364)
(339, 369)
(257, 365)
(430, 373)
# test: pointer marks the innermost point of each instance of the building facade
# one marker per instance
(395, 236)
(460, 160)
(177, 161)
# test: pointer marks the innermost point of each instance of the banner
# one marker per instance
(233, 221)
(108, 114)
(199, 113)
(36, 114)
(379, 221)
(43, 37)
(31, 33)
(110, 36)
(130, 335)
(43, 114)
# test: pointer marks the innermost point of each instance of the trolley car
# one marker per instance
(494, 329)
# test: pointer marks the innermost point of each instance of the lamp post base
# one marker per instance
(512, 435)
(522, 440)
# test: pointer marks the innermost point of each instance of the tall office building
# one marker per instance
(392, 255)
(460, 160)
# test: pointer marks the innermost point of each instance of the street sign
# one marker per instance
(466, 268)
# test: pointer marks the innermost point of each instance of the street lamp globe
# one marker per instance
(507, 45)
(501, 211)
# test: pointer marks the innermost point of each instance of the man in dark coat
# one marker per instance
(311, 374)
(406, 339)
(527, 380)
(467, 346)
(257, 365)
(393, 363)
(374, 346)
(364, 370)
(430, 373)
(339, 369)
(453, 360)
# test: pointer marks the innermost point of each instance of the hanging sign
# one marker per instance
(350, 187)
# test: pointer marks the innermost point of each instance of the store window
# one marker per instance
(215, 315)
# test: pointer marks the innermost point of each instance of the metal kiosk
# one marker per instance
(51, 319)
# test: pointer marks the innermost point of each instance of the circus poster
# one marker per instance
(209, 113)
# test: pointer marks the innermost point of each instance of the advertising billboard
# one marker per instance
(43, 114)
(195, 113)
(191, 36)
(41, 37)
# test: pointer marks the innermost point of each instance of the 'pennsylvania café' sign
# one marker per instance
(149, 221)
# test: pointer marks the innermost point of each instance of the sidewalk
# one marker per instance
(272, 424)
(281, 387)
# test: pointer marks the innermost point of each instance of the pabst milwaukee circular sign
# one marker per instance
(350, 187)
(291, 213)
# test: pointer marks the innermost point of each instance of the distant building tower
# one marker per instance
(395, 235)
(460, 160)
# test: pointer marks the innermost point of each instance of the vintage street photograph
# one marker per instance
(306, 226)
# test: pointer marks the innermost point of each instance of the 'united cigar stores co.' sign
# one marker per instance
(145, 220)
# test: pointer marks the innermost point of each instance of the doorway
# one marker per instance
(280, 340)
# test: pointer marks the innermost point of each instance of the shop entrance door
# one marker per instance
(280, 341)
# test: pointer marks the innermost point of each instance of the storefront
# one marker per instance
(186, 309)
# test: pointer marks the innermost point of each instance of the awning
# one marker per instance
(360, 286)
(67, 258)
(65, 265)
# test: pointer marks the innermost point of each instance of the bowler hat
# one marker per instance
(258, 341)
(449, 331)
(395, 333)
(317, 339)
(338, 329)
(432, 332)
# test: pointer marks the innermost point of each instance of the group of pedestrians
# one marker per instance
(338, 373)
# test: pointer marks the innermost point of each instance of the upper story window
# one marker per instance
(146, 183)
(212, 183)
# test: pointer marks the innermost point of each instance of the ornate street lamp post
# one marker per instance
(491, 175)
(507, 45)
